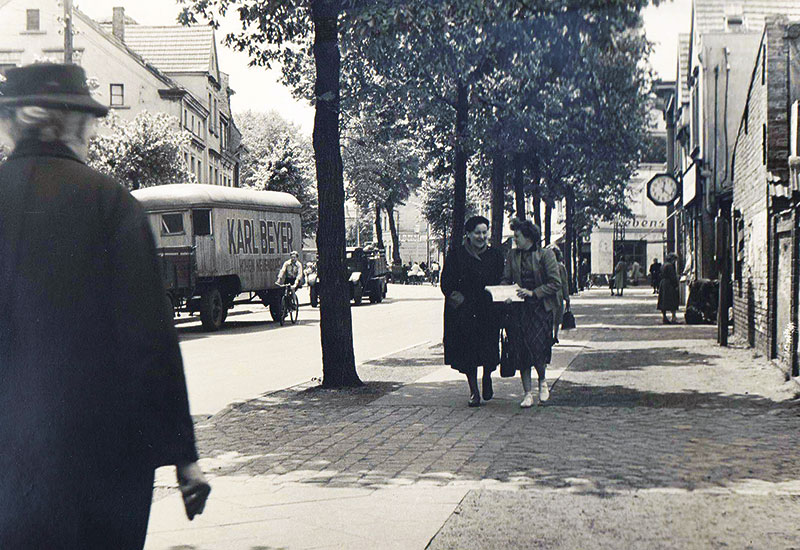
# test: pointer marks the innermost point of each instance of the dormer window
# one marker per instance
(32, 20)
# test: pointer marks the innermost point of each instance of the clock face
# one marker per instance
(662, 189)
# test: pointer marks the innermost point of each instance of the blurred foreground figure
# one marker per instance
(92, 391)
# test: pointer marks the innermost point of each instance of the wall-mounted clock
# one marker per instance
(663, 189)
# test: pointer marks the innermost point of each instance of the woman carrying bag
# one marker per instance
(529, 325)
(562, 295)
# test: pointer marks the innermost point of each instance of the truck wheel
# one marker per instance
(212, 310)
(358, 293)
(314, 296)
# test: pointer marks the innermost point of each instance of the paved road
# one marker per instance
(252, 354)
(654, 437)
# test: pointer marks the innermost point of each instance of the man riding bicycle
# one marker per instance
(291, 272)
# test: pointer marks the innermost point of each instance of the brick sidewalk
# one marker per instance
(641, 407)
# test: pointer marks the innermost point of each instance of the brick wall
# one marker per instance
(750, 287)
(760, 156)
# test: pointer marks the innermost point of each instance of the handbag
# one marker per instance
(507, 367)
(568, 321)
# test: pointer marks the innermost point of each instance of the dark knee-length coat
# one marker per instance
(92, 385)
(471, 331)
(668, 292)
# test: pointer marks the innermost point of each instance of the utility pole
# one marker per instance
(68, 31)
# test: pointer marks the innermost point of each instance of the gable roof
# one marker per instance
(710, 14)
(173, 48)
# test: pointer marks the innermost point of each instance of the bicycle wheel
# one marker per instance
(284, 310)
(294, 308)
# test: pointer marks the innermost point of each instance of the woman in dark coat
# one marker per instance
(530, 325)
(668, 296)
(471, 322)
(92, 389)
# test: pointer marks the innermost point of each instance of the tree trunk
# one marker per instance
(537, 205)
(378, 227)
(498, 197)
(519, 188)
(396, 259)
(336, 323)
(548, 220)
(569, 238)
(461, 158)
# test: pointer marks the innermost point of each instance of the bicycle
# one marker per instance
(290, 305)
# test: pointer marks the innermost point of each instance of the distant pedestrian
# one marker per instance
(668, 295)
(583, 272)
(562, 296)
(92, 391)
(636, 273)
(530, 324)
(620, 272)
(471, 323)
(655, 275)
(435, 272)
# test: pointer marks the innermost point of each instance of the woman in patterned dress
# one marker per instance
(530, 323)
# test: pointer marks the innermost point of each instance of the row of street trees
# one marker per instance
(547, 97)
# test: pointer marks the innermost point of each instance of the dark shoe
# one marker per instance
(488, 392)
(474, 400)
(666, 321)
(555, 340)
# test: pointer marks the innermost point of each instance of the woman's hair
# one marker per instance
(45, 124)
(529, 229)
(557, 251)
(474, 222)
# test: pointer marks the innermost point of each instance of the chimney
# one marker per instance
(118, 24)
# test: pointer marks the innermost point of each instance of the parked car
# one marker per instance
(215, 242)
(368, 274)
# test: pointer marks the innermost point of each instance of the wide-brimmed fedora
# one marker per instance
(53, 85)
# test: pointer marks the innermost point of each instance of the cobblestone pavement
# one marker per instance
(644, 406)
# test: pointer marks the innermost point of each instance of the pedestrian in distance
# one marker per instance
(471, 322)
(668, 295)
(620, 272)
(655, 275)
(562, 296)
(529, 327)
(583, 272)
(92, 389)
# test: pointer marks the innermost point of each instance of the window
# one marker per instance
(172, 223)
(200, 171)
(194, 166)
(201, 221)
(117, 95)
(193, 125)
(32, 20)
(185, 118)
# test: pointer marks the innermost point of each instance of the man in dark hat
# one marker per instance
(92, 390)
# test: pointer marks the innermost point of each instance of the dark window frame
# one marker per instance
(120, 94)
(204, 228)
(167, 228)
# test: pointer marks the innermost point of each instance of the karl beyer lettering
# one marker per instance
(259, 237)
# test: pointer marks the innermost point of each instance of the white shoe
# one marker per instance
(527, 402)
(544, 392)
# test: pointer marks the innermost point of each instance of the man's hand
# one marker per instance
(194, 488)
(455, 299)
(524, 293)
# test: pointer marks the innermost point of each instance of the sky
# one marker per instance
(258, 89)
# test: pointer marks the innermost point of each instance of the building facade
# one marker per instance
(766, 199)
(169, 69)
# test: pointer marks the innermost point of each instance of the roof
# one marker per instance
(683, 67)
(174, 48)
(710, 14)
(188, 195)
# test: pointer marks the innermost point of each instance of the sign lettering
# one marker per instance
(259, 237)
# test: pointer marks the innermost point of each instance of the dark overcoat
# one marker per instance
(472, 330)
(668, 295)
(92, 388)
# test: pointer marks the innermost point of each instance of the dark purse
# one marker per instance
(568, 321)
